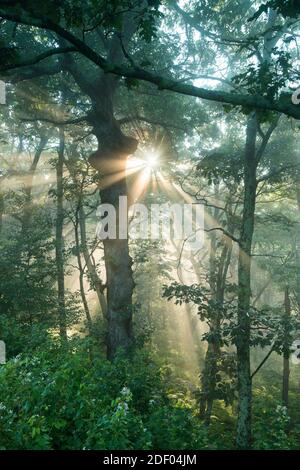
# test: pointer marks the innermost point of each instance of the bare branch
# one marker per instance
(39, 58)
(55, 122)
(227, 234)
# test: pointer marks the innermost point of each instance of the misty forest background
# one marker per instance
(145, 344)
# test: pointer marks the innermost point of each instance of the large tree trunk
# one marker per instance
(119, 280)
(111, 160)
(244, 288)
(244, 268)
(114, 148)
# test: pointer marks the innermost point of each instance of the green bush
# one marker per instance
(271, 422)
(71, 399)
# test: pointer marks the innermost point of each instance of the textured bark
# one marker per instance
(114, 148)
(119, 281)
(244, 289)
(110, 159)
(59, 242)
(251, 161)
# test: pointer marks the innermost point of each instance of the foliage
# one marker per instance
(63, 394)
(288, 8)
(73, 399)
(271, 422)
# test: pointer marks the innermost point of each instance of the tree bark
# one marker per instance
(286, 350)
(251, 161)
(111, 158)
(59, 242)
(1, 210)
(297, 248)
(244, 289)
(119, 279)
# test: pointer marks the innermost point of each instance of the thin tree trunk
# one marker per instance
(297, 248)
(1, 210)
(261, 291)
(26, 219)
(59, 242)
(208, 376)
(81, 276)
(217, 280)
(96, 281)
(286, 350)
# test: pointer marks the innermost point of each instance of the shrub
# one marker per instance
(71, 399)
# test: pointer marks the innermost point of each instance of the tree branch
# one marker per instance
(263, 361)
(53, 121)
(266, 137)
(39, 58)
(163, 83)
(227, 234)
(276, 172)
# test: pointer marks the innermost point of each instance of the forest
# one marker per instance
(149, 225)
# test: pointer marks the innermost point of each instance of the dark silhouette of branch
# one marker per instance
(266, 137)
(263, 361)
(54, 121)
(227, 234)
(39, 58)
(284, 106)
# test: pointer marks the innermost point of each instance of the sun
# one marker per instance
(146, 160)
(152, 159)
